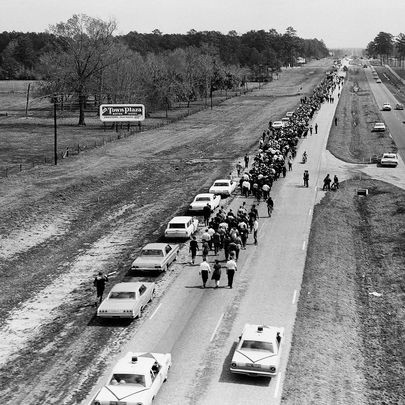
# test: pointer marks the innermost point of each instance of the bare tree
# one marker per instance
(86, 49)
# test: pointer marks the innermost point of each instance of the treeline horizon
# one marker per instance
(260, 51)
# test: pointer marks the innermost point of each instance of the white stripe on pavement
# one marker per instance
(154, 312)
(216, 327)
(277, 385)
(294, 297)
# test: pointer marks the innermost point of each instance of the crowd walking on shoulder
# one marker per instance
(226, 234)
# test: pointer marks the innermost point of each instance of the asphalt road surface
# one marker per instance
(395, 119)
(200, 327)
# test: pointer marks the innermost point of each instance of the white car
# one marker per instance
(389, 159)
(399, 106)
(135, 380)
(379, 127)
(378, 81)
(126, 300)
(181, 227)
(223, 187)
(277, 125)
(289, 114)
(386, 107)
(258, 352)
(155, 257)
(201, 200)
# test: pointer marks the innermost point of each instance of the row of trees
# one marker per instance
(83, 57)
(386, 45)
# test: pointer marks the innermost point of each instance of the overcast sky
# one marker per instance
(340, 23)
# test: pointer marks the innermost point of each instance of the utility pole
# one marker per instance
(55, 144)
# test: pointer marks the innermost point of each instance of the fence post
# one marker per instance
(6, 171)
(78, 148)
(20, 167)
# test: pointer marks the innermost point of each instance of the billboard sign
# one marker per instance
(122, 112)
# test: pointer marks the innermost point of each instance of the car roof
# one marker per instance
(156, 246)
(379, 123)
(143, 364)
(180, 219)
(205, 194)
(222, 180)
(269, 333)
(390, 154)
(130, 286)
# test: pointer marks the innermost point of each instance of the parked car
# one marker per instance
(258, 352)
(378, 81)
(389, 159)
(378, 127)
(126, 300)
(201, 200)
(223, 187)
(181, 227)
(155, 257)
(386, 107)
(135, 380)
(289, 114)
(399, 106)
(285, 121)
(277, 125)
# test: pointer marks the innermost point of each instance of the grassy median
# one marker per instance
(348, 343)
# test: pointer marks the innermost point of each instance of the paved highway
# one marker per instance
(395, 119)
(200, 327)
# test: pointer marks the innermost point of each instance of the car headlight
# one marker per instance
(135, 267)
(97, 403)
(272, 369)
(233, 365)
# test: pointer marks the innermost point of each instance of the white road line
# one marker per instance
(303, 245)
(216, 327)
(154, 312)
(294, 297)
(310, 211)
(277, 385)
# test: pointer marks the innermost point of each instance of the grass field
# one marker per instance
(348, 344)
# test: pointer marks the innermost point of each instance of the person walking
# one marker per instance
(216, 241)
(336, 181)
(99, 283)
(270, 206)
(310, 130)
(326, 183)
(216, 274)
(205, 269)
(255, 230)
(239, 168)
(207, 214)
(306, 178)
(284, 171)
(316, 128)
(289, 163)
(205, 249)
(336, 121)
(193, 249)
(246, 158)
(226, 242)
(231, 268)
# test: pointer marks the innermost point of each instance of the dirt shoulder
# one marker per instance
(60, 225)
(348, 339)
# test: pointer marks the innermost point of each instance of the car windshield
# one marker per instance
(177, 226)
(132, 379)
(202, 199)
(220, 184)
(257, 345)
(152, 252)
(122, 295)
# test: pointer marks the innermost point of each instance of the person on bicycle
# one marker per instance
(270, 205)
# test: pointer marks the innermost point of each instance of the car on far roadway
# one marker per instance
(223, 187)
(181, 227)
(135, 380)
(289, 114)
(277, 125)
(378, 81)
(258, 352)
(386, 107)
(379, 127)
(399, 106)
(389, 159)
(201, 200)
(126, 300)
(155, 257)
